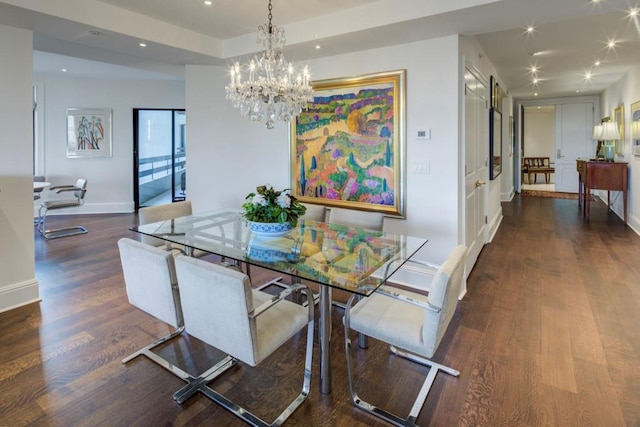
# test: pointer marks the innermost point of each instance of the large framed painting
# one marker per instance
(348, 147)
(88, 132)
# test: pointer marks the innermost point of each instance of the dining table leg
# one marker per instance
(324, 327)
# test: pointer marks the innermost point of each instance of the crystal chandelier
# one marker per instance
(270, 88)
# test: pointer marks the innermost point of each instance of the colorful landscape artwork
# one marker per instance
(348, 146)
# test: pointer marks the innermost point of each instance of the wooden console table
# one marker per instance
(600, 175)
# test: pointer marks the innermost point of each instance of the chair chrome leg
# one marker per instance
(422, 394)
(239, 411)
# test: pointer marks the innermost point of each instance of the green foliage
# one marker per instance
(269, 205)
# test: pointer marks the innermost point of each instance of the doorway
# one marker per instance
(159, 156)
(538, 141)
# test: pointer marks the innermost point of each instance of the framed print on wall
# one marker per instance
(618, 117)
(495, 143)
(635, 128)
(88, 132)
(348, 147)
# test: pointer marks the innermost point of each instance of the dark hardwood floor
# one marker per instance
(547, 335)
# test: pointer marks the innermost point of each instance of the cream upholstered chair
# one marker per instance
(411, 323)
(314, 212)
(79, 190)
(221, 309)
(149, 214)
(355, 218)
(150, 281)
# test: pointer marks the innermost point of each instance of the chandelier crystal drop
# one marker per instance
(269, 88)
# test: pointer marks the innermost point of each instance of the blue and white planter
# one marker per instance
(269, 229)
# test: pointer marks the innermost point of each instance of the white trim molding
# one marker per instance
(19, 294)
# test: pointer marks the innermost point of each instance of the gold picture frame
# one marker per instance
(635, 128)
(348, 146)
(618, 117)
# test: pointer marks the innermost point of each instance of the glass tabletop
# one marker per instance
(348, 258)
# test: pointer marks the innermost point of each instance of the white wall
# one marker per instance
(18, 285)
(228, 156)
(109, 179)
(625, 92)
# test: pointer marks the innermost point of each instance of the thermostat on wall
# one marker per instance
(423, 134)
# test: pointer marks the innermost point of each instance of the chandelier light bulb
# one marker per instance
(270, 91)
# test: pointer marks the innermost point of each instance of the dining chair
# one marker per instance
(411, 323)
(314, 212)
(165, 212)
(79, 190)
(221, 309)
(354, 218)
(151, 285)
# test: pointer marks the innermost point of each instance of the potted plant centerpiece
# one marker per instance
(270, 212)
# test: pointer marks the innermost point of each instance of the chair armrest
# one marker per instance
(391, 293)
(281, 296)
(431, 265)
(61, 188)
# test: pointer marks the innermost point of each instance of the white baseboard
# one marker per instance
(19, 294)
(91, 208)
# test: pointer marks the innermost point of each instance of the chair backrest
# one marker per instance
(443, 293)
(81, 184)
(150, 280)
(164, 212)
(213, 295)
(355, 218)
(315, 212)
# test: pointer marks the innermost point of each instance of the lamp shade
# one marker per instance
(635, 129)
(610, 131)
(597, 132)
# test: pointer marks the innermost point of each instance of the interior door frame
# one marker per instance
(136, 169)
(519, 107)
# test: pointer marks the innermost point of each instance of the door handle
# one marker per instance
(479, 183)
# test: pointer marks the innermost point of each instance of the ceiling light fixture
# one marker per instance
(597, 63)
(611, 44)
(530, 29)
(633, 13)
(534, 69)
(142, 44)
(272, 90)
(587, 76)
(208, 3)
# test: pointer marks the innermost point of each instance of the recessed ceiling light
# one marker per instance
(633, 12)
(611, 44)
(318, 47)
(64, 70)
(534, 69)
(535, 94)
(530, 29)
(578, 91)
(535, 81)
(597, 63)
(208, 3)
(142, 44)
(587, 76)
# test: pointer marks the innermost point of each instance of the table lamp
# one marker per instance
(610, 134)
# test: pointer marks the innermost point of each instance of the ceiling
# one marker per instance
(569, 35)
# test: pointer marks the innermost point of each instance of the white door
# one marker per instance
(476, 160)
(574, 126)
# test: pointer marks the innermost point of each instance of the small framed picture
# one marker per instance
(88, 132)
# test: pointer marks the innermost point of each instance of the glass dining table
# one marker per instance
(333, 256)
